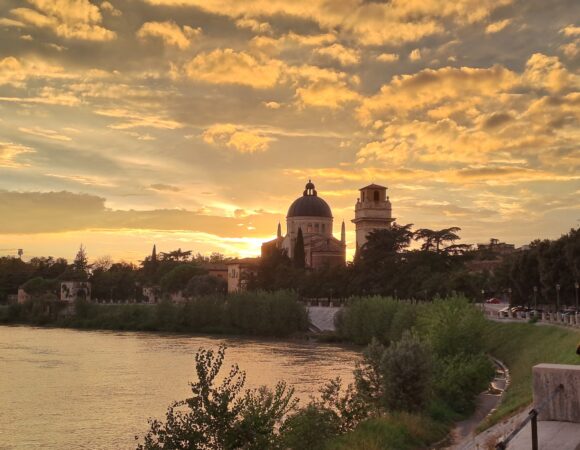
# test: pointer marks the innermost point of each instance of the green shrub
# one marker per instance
(309, 428)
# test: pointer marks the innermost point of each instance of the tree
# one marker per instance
(299, 256)
(406, 367)
(436, 238)
(221, 417)
(81, 262)
(176, 255)
(200, 285)
(177, 279)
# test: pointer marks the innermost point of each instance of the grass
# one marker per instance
(521, 346)
(392, 432)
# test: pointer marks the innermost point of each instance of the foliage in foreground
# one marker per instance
(406, 393)
(224, 416)
(221, 416)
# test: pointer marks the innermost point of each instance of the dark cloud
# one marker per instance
(497, 120)
(53, 212)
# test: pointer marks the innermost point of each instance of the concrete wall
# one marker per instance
(565, 406)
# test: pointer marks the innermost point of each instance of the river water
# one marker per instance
(69, 389)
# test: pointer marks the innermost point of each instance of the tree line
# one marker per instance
(388, 265)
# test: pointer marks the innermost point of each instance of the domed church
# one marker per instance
(313, 215)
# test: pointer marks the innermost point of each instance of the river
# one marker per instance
(69, 389)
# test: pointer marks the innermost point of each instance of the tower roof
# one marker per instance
(373, 186)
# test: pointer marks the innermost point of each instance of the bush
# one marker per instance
(407, 370)
(461, 378)
(375, 317)
(219, 417)
(309, 428)
(453, 326)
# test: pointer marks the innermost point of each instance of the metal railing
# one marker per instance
(533, 417)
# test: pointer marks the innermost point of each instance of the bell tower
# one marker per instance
(371, 212)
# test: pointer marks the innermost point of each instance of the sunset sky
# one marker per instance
(195, 123)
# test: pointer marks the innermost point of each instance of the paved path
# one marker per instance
(322, 317)
(551, 435)
(463, 434)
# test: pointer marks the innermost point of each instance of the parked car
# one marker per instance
(493, 300)
(504, 312)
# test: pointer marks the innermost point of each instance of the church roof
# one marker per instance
(373, 186)
(310, 204)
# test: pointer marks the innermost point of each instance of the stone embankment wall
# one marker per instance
(564, 406)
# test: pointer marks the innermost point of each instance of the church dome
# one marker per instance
(310, 204)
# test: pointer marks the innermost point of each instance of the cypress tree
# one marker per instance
(299, 256)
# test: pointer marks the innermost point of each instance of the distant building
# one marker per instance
(239, 270)
(496, 247)
(218, 270)
(23, 296)
(75, 290)
(371, 212)
(488, 257)
(311, 214)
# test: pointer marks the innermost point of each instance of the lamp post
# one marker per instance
(557, 298)
(576, 286)
(483, 296)
(536, 298)
(510, 295)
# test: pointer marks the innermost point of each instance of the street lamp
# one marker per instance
(576, 286)
(557, 298)
(510, 295)
(483, 296)
(536, 298)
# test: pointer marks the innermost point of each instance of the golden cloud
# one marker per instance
(496, 27)
(170, 33)
(429, 87)
(254, 25)
(237, 138)
(370, 23)
(226, 66)
(388, 57)
(135, 119)
(43, 132)
(549, 73)
(9, 153)
(326, 94)
(343, 55)
(70, 19)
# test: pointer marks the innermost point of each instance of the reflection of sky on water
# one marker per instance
(96, 389)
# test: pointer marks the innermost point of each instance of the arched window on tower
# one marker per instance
(324, 228)
(376, 196)
(316, 228)
(309, 228)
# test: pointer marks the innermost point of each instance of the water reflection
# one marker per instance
(92, 389)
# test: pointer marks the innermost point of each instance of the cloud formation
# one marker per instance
(468, 110)
(70, 19)
(237, 138)
(170, 33)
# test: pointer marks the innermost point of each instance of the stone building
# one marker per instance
(313, 216)
(371, 212)
(239, 270)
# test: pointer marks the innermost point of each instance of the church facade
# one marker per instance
(312, 215)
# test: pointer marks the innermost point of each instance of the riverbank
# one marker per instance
(278, 314)
(521, 346)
